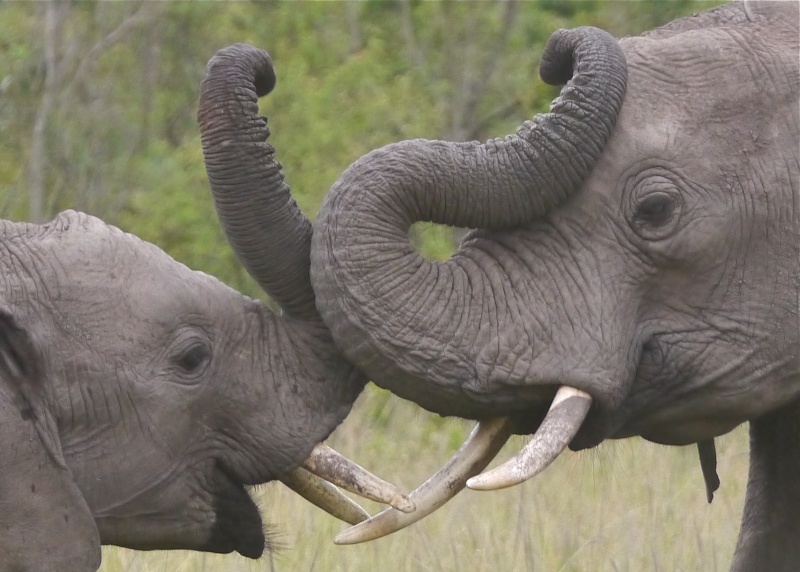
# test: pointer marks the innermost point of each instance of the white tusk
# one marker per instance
(341, 471)
(485, 441)
(324, 495)
(569, 409)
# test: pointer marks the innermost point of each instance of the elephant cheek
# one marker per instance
(524, 372)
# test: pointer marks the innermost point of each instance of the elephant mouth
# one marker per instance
(599, 425)
(585, 408)
(563, 420)
(580, 416)
(238, 525)
(208, 512)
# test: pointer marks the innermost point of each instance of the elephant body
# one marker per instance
(639, 243)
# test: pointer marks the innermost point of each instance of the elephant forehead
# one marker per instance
(108, 272)
(701, 94)
(714, 75)
(169, 293)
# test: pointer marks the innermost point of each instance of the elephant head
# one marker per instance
(636, 249)
(156, 394)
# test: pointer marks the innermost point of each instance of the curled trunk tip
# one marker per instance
(263, 224)
(364, 265)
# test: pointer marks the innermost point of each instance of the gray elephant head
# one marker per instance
(638, 247)
(158, 393)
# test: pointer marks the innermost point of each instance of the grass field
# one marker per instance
(627, 505)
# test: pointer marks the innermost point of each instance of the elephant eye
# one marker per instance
(656, 208)
(194, 360)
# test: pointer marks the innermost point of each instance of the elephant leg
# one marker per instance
(769, 538)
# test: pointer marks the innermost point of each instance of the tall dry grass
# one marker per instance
(627, 505)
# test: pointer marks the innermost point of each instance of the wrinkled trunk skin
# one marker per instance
(272, 239)
(307, 387)
(294, 400)
(376, 293)
(770, 533)
(262, 222)
(502, 348)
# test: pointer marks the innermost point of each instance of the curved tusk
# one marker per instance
(341, 471)
(566, 414)
(324, 495)
(485, 441)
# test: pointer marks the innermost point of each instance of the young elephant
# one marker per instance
(138, 398)
(639, 251)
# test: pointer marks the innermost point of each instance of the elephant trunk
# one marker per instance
(507, 181)
(399, 316)
(309, 386)
(263, 224)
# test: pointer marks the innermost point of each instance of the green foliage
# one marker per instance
(433, 241)
(352, 77)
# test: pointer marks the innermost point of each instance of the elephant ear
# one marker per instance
(45, 523)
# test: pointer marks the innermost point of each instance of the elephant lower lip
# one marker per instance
(238, 525)
(252, 550)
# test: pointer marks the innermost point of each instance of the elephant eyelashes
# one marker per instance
(655, 211)
(194, 360)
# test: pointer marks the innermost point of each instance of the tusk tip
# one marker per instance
(350, 536)
(359, 516)
(485, 482)
(341, 541)
(476, 484)
(325, 496)
(477, 451)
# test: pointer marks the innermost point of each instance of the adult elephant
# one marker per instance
(138, 398)
(635, 268)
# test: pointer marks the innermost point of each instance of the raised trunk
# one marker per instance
(400, 317)
(262, 222)
(308, 386)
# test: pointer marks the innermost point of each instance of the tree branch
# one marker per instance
(54, 15)
(145, 13)
(476, 89)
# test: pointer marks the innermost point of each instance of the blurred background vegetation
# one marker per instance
(97, 113)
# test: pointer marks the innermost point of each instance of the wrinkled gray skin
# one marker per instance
(166, 392)
(655, 268)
